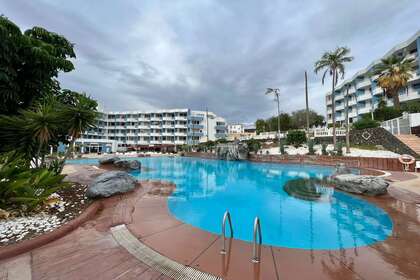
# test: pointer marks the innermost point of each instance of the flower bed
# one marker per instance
(70, 203)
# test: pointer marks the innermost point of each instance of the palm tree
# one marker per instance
(41, 122)
(333, 63)
(30, 132)
(80, 116)
(394, 73)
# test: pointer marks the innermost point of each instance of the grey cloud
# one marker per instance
(216, 54)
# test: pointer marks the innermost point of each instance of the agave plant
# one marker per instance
(22, 186)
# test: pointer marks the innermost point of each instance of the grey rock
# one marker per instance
(111, 183)
(108, 159)
(128, 164)
(232, 151)
(360, 184)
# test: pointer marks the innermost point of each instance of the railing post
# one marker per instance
(256, 252)
(226, 216)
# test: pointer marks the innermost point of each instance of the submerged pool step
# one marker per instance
(155, 260)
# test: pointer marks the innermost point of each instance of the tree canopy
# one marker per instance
(295, 120)
(29, 64)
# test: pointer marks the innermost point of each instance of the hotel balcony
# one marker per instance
(364, 97)
(196, 118)
(363, 84)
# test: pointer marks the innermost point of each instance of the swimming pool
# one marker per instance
(207, 188)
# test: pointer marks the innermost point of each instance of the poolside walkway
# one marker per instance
(90, 252)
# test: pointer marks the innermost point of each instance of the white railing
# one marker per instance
(403, 124)
(327, 132)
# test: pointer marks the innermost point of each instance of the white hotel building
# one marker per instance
(364, 94)
(153, 130)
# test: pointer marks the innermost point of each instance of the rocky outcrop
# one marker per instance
(360, 184)
(128, 164)
(108, 160)
(111, 183)
(121, 163)
(232, 151)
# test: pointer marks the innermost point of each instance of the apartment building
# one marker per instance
(152, 130)
(235, 128)
(364, 94)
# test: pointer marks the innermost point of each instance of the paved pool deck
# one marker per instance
(90, 251)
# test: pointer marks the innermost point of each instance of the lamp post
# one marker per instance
(276, 93)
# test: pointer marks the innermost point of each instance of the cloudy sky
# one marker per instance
(220, 54)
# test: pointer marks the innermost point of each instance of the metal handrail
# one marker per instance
(226, 216)
(257, 230)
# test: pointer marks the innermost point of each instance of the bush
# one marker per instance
(365, 123)
(253, 145)
(324, 149)
(26, 188)
(311, 147)
(296, 137)
(282, 151)
(339, 149)
(411, 107)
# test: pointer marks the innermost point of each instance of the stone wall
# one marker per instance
(380, 136)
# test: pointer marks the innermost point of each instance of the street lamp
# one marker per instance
(276, 93)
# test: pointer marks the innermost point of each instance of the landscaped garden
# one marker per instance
(37, 117)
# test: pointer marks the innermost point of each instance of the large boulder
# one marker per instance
(110, 183)
(128, 164)
(361, 184)
(108, 159)
(232, 151)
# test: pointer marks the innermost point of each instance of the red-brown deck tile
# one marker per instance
(236, 264)
(372, 264)
(145, 228)
(182, 243)
(304, 264)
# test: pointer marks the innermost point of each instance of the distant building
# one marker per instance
(365, 94)
(235, 128)
(154, 130)
(240, 132)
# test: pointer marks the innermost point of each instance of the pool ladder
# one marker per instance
(256, 248)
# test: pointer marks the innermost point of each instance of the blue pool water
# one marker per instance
(207, 188)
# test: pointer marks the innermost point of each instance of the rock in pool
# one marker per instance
(111, 183)
(108, 159)
(360, 184)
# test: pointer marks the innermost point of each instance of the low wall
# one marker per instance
(199, 154)
(387, 164)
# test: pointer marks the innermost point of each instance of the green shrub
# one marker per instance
(296, 137)
(411, 107)
(365, 123)
(253, 145)
(339, 149)
(324, 149)
(311, 147)
(282, 151)
(26, 188)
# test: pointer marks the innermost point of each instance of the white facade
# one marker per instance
(364, 94)
(236, 128)
(156, 128)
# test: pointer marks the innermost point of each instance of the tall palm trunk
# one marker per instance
(396, 99)
(333, 106)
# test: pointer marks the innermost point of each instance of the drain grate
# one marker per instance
(155, 260)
